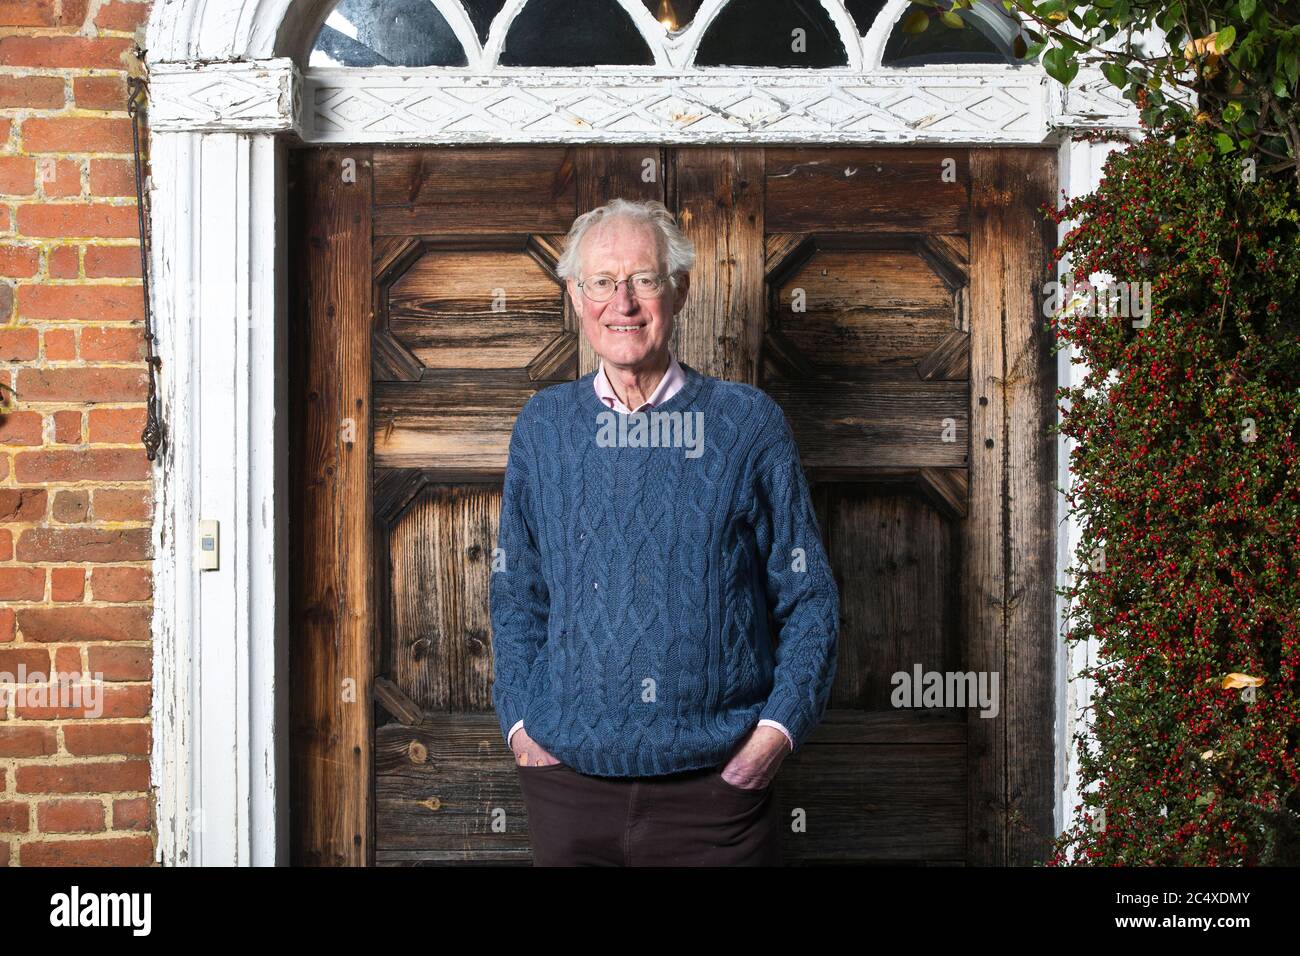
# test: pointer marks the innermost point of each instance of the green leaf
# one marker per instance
(916, 22)
(1200, 159)
(1223, 39)
(1060, 65)
(1225, 143)
(1247, 9)
(1173, 15)
(1117, 75)
(951, 19)
(1071, 45)
(1232, 112)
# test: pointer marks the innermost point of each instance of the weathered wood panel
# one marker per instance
(717, 195)
(331, 590)
(440, 654)
(473, 189)
(869, 189)
(475, 308)
(897, 564)
(882, 425)
(864, 308)
(1030, 407)
(1008, 605)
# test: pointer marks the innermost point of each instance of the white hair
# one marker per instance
(677, 249)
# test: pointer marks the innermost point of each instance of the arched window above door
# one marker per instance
(482, 35)
(988, 36)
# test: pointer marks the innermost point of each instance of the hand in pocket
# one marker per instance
(528, 752)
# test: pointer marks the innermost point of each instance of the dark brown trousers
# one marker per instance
(691, 818)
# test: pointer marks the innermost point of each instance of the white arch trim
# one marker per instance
(226, 98)
(676, 50)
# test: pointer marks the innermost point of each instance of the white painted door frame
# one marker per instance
(227, 98)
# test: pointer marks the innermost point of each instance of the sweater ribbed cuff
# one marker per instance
(509, 712)
(791, 714)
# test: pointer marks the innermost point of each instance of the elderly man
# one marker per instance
(635, 678)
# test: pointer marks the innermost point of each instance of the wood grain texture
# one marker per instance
(877, 424)
(849, 308)
(717, 195)
(897, 564)
(1009, 607)
(473, 189)
(483, 308)
(440, 652)
(877, 189)
(1030, 405)
(331, 765)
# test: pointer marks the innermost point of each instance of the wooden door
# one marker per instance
(886, 298)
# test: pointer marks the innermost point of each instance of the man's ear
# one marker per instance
(683, 287)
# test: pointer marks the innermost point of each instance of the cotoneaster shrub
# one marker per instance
(1187, 489)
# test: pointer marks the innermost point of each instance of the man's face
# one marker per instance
(621, 248)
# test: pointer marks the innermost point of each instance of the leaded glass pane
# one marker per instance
(864, 13)
(574, 33)
(481, 14)
(987, 38)
(674, 15)
(794, 33)
(386, 33)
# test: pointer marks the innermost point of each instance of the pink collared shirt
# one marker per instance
(668, 386)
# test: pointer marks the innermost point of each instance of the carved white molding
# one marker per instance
(772, 106)
(1092, 102)
(976, 105)
(249, 97)
(198, 31)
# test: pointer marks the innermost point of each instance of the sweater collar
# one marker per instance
(682, 397)
(669, 384)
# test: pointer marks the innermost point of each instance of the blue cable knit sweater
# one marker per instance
(632, 580)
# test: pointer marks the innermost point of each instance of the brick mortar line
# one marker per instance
(49, 604)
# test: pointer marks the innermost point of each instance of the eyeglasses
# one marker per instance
(601, 287)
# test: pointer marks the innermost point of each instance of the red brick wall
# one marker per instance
(75, 501)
